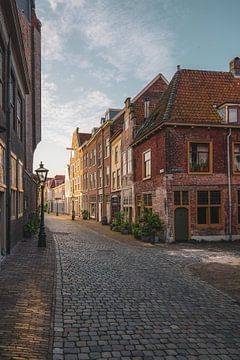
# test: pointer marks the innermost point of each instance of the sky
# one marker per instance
(96, 53)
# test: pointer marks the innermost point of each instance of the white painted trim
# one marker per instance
(215, 238)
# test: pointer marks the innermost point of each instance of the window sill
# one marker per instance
(206, 226)
(147, 178)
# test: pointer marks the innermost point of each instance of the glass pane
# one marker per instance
(215, 215)
(185, 200)
(236, 162)
(202, 197)
(215, 197)
(202, 215)
(232, 114)
(177, 198)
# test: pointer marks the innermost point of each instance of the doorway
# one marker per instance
(181, 224)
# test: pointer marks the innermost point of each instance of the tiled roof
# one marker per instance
(192, 97)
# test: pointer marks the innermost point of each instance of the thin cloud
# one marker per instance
(59, 119)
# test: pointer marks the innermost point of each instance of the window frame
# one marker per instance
(208, 212)
(235, 172)
(210, 165)
(144, 174)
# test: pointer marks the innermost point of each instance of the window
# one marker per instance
(114, 180)
(13, 172)
(107, 147)
(87, 161)
(147, 201)
(2, 165)
(90, 159)
(107, 176)
(100, 178)
(99, 154)
(1, 77)
(118, 178)
(124, 163)
(94, 180)
(116, 155)
(236, 158)
(209, 207)
(20, 203)
(239, 206)
(13, 203)
(147, 164)
(19, 117)
(20, 176)
(232, 114)
(181, 198)
(129, 167)
(12, 100)
(94, 157)
(199, 158)
(146, 108)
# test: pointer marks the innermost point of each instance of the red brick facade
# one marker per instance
(208, 191)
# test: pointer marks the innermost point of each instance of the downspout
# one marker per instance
(229, 186)
(8, 152)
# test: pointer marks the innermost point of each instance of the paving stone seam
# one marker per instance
(181, 267)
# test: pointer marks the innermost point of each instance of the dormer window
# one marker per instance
(232, 114)
(229, 113)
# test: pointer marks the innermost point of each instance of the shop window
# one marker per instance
(209, 207)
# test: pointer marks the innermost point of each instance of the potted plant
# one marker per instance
(126, 228)
(150, 225)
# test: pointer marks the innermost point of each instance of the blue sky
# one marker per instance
(95, 53)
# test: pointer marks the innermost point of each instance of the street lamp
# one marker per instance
(42, 177)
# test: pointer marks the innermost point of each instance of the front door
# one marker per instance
(2, 226)
(181, 224)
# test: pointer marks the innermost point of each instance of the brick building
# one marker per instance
(96, 169)
(20, 115)
(136, 112)
(189, 151)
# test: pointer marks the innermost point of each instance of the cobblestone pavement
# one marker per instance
(26, 302)
(117, 300)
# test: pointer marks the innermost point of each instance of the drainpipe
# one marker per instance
(229, 186)
(8, 152)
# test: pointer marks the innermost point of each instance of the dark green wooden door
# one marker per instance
(181, 224)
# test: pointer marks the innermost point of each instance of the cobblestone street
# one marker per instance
(123, 300)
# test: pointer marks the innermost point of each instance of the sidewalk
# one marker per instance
(26, 300)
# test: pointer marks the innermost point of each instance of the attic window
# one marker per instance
(229, 113)
(232, 114)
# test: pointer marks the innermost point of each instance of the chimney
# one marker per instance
(234, 66)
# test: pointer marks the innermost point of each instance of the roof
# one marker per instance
(192, 97)
(82, 137)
